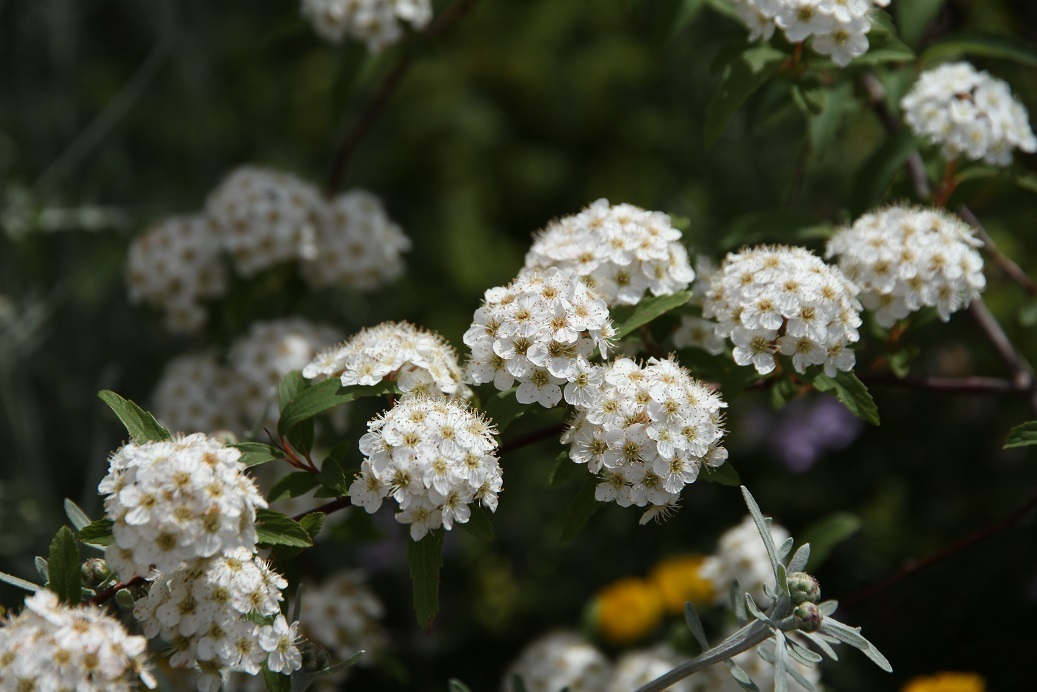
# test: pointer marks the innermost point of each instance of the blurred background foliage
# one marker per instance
(115, 114)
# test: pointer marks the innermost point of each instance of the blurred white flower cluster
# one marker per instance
(637, 668)
(343, 614)
(434, 456)
(741, 556)
(648, 429)
(620, 251)
(839, 28)
(378, 23)
(540, 330)
(968, 113)
(52, 646)
(784, 299)
(717, 678)
(907, 258)
(557, 661)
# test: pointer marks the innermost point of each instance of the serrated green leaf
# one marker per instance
(580, 509)
(562, 470)
(333, 477)
(64, 570)
(983, 44)
(326, 395)
(478, 523)
(824, 535)
(647, 310)
(256, 453)
(19, 582)
(851, 392)
(915, 16)
(140, 424)
(311, 524)
(293, 485)
(1022, 435)
(741, 77)
(274, 528)
(76, 516)
(725, 474)
(425, 558)
(97, 532)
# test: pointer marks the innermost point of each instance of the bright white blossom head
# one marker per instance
(358, 245)
(196, 393)
(777, 299)
(637, 668)
(344, 615)
(621, 251)
(968, 114)
(647, 430)
(434, 456)
(557, 661)
(175, 501)
(907, 258)
(741, 555)
(264, 217)
(540, 331)
(839, 28)
(53, 646)
(418, 360)
(172, 266)
(378, 23)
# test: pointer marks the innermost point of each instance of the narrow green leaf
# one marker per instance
(140, 424)
(877, 173)
(1022, 435)
(851, 392)
(75, 515)
(425, 558)
(725, 474)
(291, 387)
(275, 528)
(983, 44)
(97, 532)
(562, 470)
(763, 526)
(826, 534)
(694, 623)
(293, 485)
(458, 686)
(580, 510)
(742, 76)
(915, 16)
(478, 523)
(64, 568)
(647, 310)
(340, 666)
(256, 453)
(326, 395)
(19, 582)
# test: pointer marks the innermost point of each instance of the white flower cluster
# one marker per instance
(906, 258)
(434, 456)
(175, 501)
(620, 251)
(173, 265)
(52, 646)
(358, 245)
(212, 613)
(717, 678)
(557, 661)
(194, 392)
(637, 668)
(697, 332)
(785, 299)
(741, 555)
(839, 28)
(968, 113)
(419, 360)
(378, 23)
(650, 428)
(539, 330)
(343, 614)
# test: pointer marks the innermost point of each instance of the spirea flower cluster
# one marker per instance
(839, 28)
(418, 360)
(175, 501)
(620, 251)
(774, 299)
(540, 331)
(378, 23)
(968, 113)
(344, 615)
(907, 258)
(195, 392)
(559, 660)
(434, 456)
(52, 646)
(741, 555)
(637, 668)
(173, 266)
(648, 430)
(221, 614)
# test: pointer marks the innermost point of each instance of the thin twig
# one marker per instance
(532, 438)
(961, 385)
(112, 590)
(333, 506)
(1005, 264)
(915, 166)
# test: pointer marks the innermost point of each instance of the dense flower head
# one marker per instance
(196, 393)
(621, 251)
(839, 28)
(52, 646)
(175, 501)
(559, 660)
(172, 266)
(637, 668)
(434, 456)
(741, 555)
(343, 614)
(647, 429)
(539, 330)
(264, 217)
(221, 614)
(772, 299)
(358, 245)
(968, 113)
(418, 360)
(907, 258)
(378, 23)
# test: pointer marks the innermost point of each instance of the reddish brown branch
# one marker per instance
(333, 506)
(1006, 265)
(532, 438)
(111, 591)
(960, 385)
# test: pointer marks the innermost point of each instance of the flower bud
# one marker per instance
(803, 588)
(314, 656)
(124, 598)
(808, 617)
(95, 572)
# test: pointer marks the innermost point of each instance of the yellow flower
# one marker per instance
(678, 581)
(946, 682)
(627, 610)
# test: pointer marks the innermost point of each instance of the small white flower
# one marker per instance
(279, 640)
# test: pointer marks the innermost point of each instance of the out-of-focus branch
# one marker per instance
(111, 591)
(1004, 263)
(532, 438)
(333, 506)
(877, 100)
(961, 385)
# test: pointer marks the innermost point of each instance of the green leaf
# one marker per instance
(1022, 435)
(326, 395)
(580, 509)
(478, 524)
(503, 408)
(742, 76)
(19, 582)
(456, 685)
(915, 16)
(836, 103)
(76, 516)
(256, 453)
(97, 532)
(852, 392)
(140, 424)
(299, 436)
(647, 310)
(562, 470)
(725, 474)
(333, 477)
(983, 44)
(275, 528)
(775, 226)
(782, 392)
(826, 534)
(885, 48)
(293, 485)
(64, 569)
(425, 558)
(878, 171)
(276, 682)
(311, 524)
